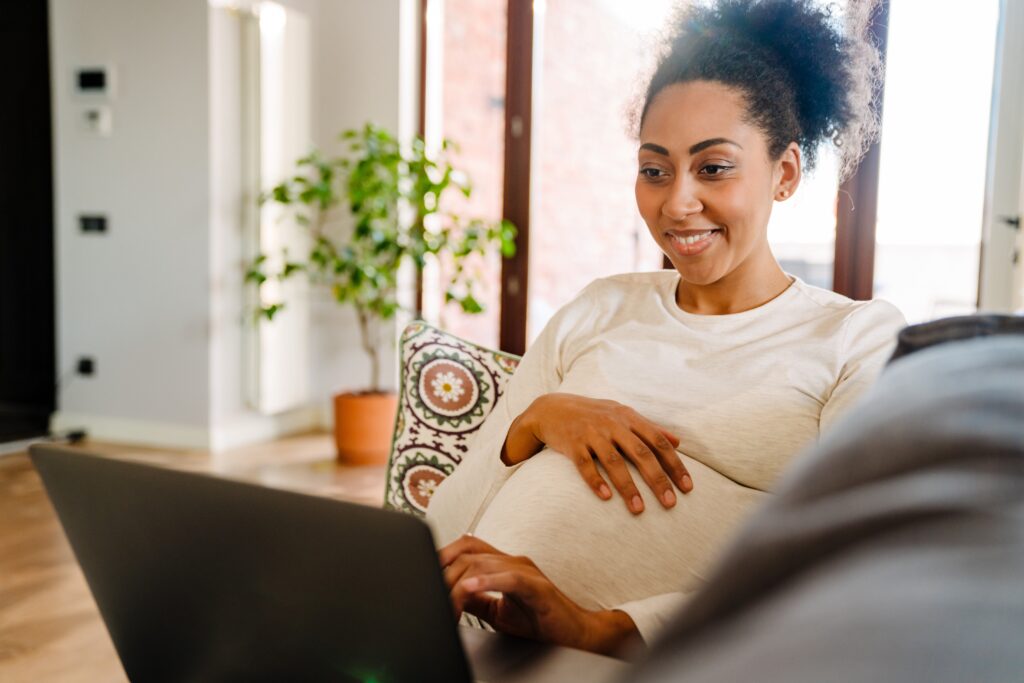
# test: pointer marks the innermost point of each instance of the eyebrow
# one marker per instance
(699, 147)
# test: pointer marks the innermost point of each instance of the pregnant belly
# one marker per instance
(596, 551)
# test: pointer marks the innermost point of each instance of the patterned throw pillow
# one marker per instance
(448, 387)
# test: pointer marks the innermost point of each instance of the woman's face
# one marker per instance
(705, 185)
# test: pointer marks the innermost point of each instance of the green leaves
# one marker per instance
(255, 276)
(470, 305)
(270, 311)
(372, 181)
(506, 235)
(255, 272)
(291, 268)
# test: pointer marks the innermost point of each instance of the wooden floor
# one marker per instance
(50, 629)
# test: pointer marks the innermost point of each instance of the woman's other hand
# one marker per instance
(529, 605)
(587, 429)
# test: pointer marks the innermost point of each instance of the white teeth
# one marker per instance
(693, 238)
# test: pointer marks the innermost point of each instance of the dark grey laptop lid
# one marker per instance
(200, 578)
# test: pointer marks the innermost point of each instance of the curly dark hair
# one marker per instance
(805, 78)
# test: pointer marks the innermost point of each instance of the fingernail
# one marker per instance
(636, 504)
(687, 482)
(604, 491)
(669, 498)
(471, 584)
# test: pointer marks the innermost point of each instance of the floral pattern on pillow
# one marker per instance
(448, 388)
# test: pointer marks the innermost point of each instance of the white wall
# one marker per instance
(158, 302)
(233, 420)
(359, 78)
(136, 299)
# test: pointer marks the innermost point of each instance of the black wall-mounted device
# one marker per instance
(92, 81)
(93, 223)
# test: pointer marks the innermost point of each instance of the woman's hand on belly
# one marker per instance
(587, 429)
(529, 604)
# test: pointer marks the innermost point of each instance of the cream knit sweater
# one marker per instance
(744, 392)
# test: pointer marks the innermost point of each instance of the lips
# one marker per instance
(693, 242)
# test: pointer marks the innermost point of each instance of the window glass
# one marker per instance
(466, 103)
(589, 63)
(935, 129)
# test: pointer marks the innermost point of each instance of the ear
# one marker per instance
(788, 171)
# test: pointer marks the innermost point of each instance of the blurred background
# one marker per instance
(140, 133)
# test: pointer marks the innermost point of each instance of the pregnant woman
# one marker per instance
(657, 409)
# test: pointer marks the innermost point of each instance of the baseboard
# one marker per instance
(325, 415)
(256, 428)
(13, 447)
(242, 431)
(137, 432)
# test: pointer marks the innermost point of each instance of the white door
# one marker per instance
(1002, 260)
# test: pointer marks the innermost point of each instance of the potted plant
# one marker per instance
(395, 199)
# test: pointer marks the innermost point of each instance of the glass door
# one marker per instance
(1002, 265)
(935, 129)
(590, 59)
(465, 102)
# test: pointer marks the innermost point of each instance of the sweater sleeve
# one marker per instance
(462, 498)
(651, 614)
(868, 341)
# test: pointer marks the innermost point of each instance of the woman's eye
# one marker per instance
(714, 169)
(651, 173)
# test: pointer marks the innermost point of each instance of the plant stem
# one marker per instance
(371, 349)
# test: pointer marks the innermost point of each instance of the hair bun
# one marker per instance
(809, 71)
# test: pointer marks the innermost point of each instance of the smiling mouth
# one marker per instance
(693, 238)
(693, 243)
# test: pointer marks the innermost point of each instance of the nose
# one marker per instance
(682, 200)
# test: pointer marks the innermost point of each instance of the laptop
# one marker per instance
(203, 578)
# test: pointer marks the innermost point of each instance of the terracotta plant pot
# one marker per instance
(362, 427)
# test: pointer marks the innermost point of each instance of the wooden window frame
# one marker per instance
(853, 273)
(516, 204)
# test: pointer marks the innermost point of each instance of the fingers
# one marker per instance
(677, 472)
(588, 470)
(482, 605)
(655, 456)
(615, 466)
(476, 562)
(475, 576)
(466, 543)
(672, 438)
(459, 575)
(669, 461)
(455, 571)
(583, 428)
(649, 466)
(519, 600)
(521, 585)
(514, 582)
(468, 552)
